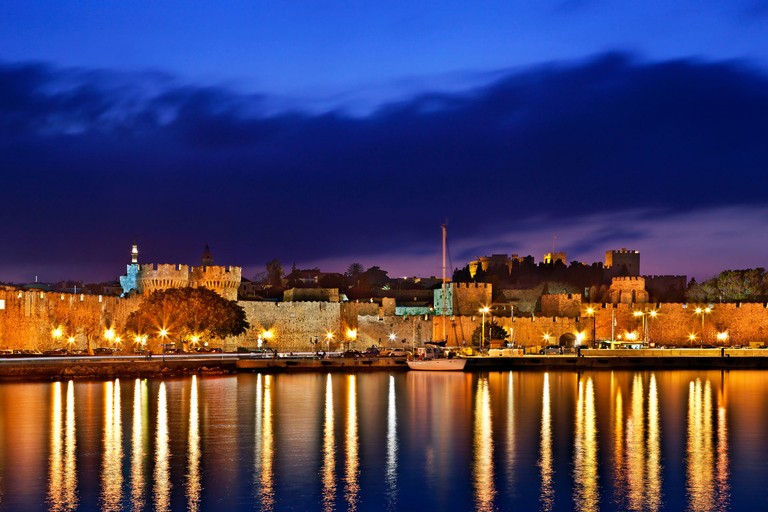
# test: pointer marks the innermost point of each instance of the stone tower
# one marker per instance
(207, 259)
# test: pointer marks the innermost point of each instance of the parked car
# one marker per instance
(352, 354)
(371, 351)
(396, 352)
(55, 352)
(551, 350)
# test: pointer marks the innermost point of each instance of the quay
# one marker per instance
(177, 365)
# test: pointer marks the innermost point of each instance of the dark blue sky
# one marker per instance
(324, 133)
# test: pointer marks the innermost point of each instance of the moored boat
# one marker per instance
(436, 358)
(455, 364)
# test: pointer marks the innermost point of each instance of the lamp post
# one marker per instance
(482, 342)
(163, 336)
(328, 338)
(702, 312)
(645, 315)
(109, 334)
(391, 340)
(56, 334)
(591, 311)
(351, 336)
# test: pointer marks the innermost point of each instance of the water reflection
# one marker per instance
(162, 490)
(485, 491)
(62, 478)
(194, 486)
(329, 451)
(637, 448)
(600, 438)
(653, 481)
(510, 433)
(112, 465)
(586, 495)
(264, 444)
(352, 470)
(707, 476)
(137, 444)
(547, 497)
(391, 472)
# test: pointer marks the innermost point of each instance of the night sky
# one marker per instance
(326, 133)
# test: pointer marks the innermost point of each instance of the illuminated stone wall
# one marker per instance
(292, 324)
(28, 318)
(470, 297)
(561, 304)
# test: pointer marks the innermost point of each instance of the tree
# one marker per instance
(354, 272)
(493, 331)
(275, 273)
(375, 277)
(187, 312)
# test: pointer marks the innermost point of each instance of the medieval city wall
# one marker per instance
(292, 324)
(561, 304)
(409, 331)
(470, 297)
(29, 317)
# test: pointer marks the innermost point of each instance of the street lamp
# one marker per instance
(109, 334)
(163, 335)
(56, 334)
(351, 335)
(482, 343)
(702, 312)
(692, 338)
(391, 339)
(645, 315)
(328, 338)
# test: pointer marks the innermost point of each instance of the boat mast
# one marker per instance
(445, 335)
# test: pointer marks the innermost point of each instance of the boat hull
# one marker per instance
(438, 365)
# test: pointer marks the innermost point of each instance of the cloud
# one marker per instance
(92, 158)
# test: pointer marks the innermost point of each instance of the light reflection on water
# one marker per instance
(553, 441)
(545, 452)
(112, 466)
(264, 444)
(329, 450)
(586, 493)
(483, 447)
(138, 438)
(707, 471)
(391, 446)
(162, 489)
(352, 470)
(62, 479)
(194, 486)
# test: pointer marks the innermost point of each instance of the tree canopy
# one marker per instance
(187, 312)
(275, 273)
(493, 331)
(731, 286)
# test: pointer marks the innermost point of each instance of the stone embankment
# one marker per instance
(110, 369)
(588, 360)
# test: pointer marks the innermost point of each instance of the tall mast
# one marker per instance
(445, 335)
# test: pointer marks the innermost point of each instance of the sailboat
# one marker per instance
(434, 357)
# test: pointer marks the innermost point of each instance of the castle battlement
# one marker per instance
(665, 277)
(150, 277)
(468, 286)
(628, 279)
